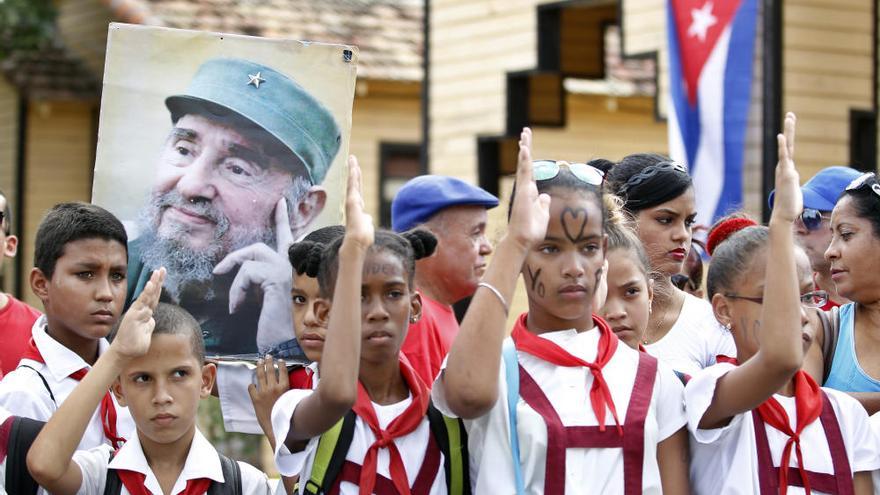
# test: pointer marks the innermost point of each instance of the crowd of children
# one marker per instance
(616, 380)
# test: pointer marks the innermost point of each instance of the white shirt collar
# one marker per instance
(60, 361)
(202, 461)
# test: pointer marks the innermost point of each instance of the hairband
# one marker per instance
(649, 172)
(724, 230)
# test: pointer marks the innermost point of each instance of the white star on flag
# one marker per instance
(255, 79)
(702, 21)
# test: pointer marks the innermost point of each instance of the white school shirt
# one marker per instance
(412, 446)
(4, 415)
(23, 393)
(235, 401)
(596, 470)
(875, 427)
(694, 340)
(725, 460)
(201, 462)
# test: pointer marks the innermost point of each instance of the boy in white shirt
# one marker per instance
(155, 366)
(80, 261)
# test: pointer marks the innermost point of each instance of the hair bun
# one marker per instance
(423, 242)
(724, 229)
(306, 257)
(601, 164)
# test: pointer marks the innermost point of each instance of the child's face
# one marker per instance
(561, 272)
(85, 296)
(309, 329)
(628, 303)
(162, 389)
(386, 306)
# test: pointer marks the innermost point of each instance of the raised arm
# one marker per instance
(780, 353)
(470, 380)
(340, 360)
(49, 459)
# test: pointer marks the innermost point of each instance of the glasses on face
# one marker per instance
(814, 299)
(548, 169)
(811, 218)
(862, 182)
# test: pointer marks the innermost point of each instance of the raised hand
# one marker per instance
(788, 200)
(272, 382)
(270, 270)
(136, 329)
(359, 229)
(530, 212)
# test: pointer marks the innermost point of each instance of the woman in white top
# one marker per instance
(589, 414)
(659, 195)
(750, 415)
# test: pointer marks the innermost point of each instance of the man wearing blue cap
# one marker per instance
(455, 212)
(238, 180)
(813, 227)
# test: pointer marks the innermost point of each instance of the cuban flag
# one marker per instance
(711, 46)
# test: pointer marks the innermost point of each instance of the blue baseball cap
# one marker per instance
(823, 189)
(266, 99)
(422, 197)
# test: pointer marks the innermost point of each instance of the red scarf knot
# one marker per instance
(134, 483)
(600, 394)
(402, 425)
(108, 408)
(808, 408)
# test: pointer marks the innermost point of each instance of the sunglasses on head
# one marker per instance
(811, 218)
(548, 169)
(862, 182)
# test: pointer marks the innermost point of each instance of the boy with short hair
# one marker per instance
(80, 260)
(16, 317)
(156, 367)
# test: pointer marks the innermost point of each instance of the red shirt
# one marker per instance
(428, 341)
(16, 321)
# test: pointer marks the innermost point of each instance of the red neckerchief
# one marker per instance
(408, 421)
(301, 378)
(600, 395)
(134, 483)
(808, 405)
(108, 409)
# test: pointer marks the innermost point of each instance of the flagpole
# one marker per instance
(772, 97)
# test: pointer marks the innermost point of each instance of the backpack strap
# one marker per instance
(330, 455)
(231, 475)
(22, 433)
(830, 332)
(511, 373)
(451, 437)
(45, 383)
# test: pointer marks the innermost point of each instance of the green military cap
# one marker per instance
(271, 101)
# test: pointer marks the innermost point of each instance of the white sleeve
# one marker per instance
(438, 394)
(253, 481)
(289, 463)
(860, 441)
(93, 466)
(698, 394)
(22, 393)
(669, 395)
(235, 402)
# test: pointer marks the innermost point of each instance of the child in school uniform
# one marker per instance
(561, 406)
(80, 260)
(155, 366)
(369, 408)
(750, 415)
(234, 380)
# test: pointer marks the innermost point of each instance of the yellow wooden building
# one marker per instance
(587, 75)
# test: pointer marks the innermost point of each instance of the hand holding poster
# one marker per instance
(217, 152)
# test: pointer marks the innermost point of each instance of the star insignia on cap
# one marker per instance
(255, 79)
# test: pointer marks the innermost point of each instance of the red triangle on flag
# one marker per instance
(699, 24)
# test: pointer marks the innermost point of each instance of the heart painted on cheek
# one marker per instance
(573, 223)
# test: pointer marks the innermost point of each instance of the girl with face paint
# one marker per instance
(659, 196)
(588, 401)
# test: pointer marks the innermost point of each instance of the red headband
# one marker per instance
(724, 230)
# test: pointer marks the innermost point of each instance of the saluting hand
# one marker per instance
(359, 231)
(530, 212)
(136, 329)
(788, 200)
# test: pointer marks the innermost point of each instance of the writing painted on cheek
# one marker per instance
(536, 284)
(574, 221)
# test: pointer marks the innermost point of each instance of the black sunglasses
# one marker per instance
(811, 218)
